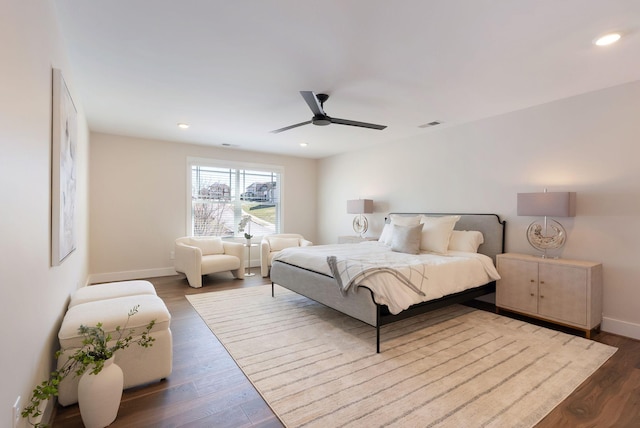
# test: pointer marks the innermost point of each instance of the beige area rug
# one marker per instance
(454, 367)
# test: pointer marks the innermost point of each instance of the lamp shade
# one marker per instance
(360, 206)
(552, 204)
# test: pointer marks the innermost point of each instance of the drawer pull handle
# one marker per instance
(541, 296)
(541, 282)
(532, 294)
(531, 280)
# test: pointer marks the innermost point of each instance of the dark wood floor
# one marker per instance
(207, 389)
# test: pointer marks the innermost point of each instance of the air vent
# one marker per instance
(430, 124)
(229, 145)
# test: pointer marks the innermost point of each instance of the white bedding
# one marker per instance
(431, 275)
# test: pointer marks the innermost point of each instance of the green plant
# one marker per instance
(97, 347)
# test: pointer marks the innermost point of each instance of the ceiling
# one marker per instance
(233, 69)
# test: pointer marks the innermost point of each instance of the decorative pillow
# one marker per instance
(385, 236)
(436, 232)
(403, 220)
(208, 245)
(465, 240)
(406, 239)
(277, 244)
(395, 219)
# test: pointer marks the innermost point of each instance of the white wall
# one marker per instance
(34, 294)
(138, 201)
(588, 144)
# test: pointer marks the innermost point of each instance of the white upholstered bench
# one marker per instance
(109, 304)
(111, 290)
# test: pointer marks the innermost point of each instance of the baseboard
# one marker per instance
(98, 278)
(622, 328)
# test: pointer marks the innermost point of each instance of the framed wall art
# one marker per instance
(63, 171)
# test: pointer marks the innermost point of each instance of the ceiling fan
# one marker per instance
(320, 118)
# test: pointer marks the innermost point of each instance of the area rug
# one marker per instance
(454, 367)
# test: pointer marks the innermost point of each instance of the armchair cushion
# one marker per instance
(219, 263)
(208, 245)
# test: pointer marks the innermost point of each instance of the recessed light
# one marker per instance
(183, 125)
(304, 144)
(607, 39)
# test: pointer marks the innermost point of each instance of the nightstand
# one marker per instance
(565, 292)
(353, 239)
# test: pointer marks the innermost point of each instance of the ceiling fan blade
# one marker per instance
(355, 123)
(313, 102)
(286, 128)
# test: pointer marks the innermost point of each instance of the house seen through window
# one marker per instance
(222, 195)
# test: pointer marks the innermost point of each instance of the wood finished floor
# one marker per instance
(207, 389)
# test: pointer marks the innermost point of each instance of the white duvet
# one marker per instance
(397, 280)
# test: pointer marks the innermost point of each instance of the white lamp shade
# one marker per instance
(360, 206)
(552, 204)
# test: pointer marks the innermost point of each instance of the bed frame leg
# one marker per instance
(377, 328)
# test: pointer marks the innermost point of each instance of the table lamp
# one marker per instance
(360, 206)
(547, 204)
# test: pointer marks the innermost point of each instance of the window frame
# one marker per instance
(225, 164)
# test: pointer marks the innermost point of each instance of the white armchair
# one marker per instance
(271, 244)
(197, 256)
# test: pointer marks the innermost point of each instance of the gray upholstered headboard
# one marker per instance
(490, 225)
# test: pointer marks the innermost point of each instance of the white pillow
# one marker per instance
(387, 231)
(208, 245)
(277, 244)
(406, 239)
(436, 232)
(465, 240)
(403, 220)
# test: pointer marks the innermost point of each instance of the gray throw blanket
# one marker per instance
(349, 273)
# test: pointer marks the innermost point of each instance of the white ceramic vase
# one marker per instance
(99, 395)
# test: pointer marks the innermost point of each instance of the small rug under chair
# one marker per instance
(454, 367)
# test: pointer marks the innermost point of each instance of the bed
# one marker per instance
(356, 296)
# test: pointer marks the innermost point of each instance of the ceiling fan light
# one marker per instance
(321, 121)
(607, 39)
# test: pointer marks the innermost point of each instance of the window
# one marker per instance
(222, 194)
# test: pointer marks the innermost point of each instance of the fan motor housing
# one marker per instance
(321, 120)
